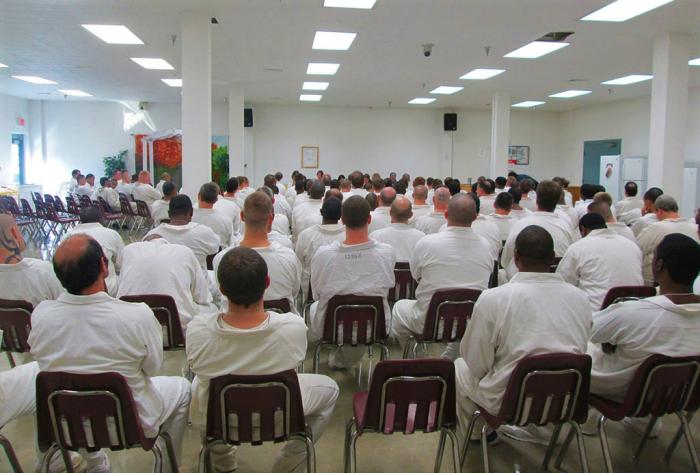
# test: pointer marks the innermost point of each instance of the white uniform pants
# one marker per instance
(406, 320)
(176, 392)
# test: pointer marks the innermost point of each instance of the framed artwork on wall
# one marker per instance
(519, 155)
(309, 157)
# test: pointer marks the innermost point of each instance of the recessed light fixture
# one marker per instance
(536, 49)
(173, 82)
(74, 93)
(35, 80)
(310, 98)
(315, 86)
(446, 90)
(2, 65)
(364, 4)
(153, 63)
(332, 41)
(567, 94)
(623, 10)
(692, 62)
(528, 104)
(482, 74)
(113, 34)
(631, 79)
(322, 69)
(421, 101)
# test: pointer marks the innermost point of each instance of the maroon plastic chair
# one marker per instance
(353, 320)
(58, 205)
(690, 409)
(72, 205)
(15, 323)
(165, 310)
(10, 453)
(143, 212)
(405, 287)
(27, 212)
(661, 385)
(91, 412)
(280, 306)
(406, 396)
(627, 293)
(108, 214)
(254, 410)
(127, 211)
(59, 223)
(446, 320)
(542, 389)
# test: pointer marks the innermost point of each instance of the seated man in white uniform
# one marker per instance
(455, 258)
(486, 197)
(143, 190)
(485, 228)
(548, 193)
(501, 217)
(527, 201)
(244, 187)
(232, 193)
(247, 340)
(357, 265)
(432, 222)
(567, 211)
(182, 230)
(27, 279)
(125, 186)
(164, 177)
(588, 191)
(83, 188)
(603, 209)
(630, 202)
(206, 214)
(108, 194)
(357, 180)
(87, 331)
(380, 216)
(516, 210)
(508, 324)
(110, 241)
(669, 221)
(399, 235)
(641, 219)
(281, 205)
(308, 213)
(159, 209)
(155, 266)
(230, 210)
(600, 261)
(419, 201)
(313, 238)
(282, 263)
(280, 224)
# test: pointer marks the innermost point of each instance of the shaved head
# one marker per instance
(79, 263)
(461, 211)
(11, 241)
(420, 192)
(441, 198)
(257, 210)
(387, 196)
(401, 210)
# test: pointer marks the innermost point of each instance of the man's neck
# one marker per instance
(242, 317)
(229, 194)
(179, 221)
(255, 238)
(329, 222)
(418, 201)
(543, 210)
(440, 209)
(97, 286)
(9, 254)
(205, 205)
(356, 236)
(501, 211)
(669, 216)
(673, 288)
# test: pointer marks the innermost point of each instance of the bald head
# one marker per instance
(387, 196)
(333, 193)
(461, 211)
(401, 210)
(441, 198)
(80, 265)
(11, 241)
(257, 210)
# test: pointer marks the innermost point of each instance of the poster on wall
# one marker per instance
(309, 157)
(519, 155)
(610, 175)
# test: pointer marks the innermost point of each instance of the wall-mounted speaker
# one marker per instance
(247, 117)
(450, 121)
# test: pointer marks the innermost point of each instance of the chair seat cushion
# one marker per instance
(610, 409)
(359, 406)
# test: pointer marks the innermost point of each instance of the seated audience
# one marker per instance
(528, 198)
(486, 196)
(432, 222)
(588, 191)
(516, 210)
(232, 194)
(603, 209)
(108, 194)
(125, 186)
(641, 219)
(630, 202)
(83, 189)
(308, 212)
(206, 214)
(357, 180)
(380, 216)
(398, 234)
(164, 177)
(159, 209)
(501, 216)
(73, 180)
(143, 190)
(419, 200)
(280, 224)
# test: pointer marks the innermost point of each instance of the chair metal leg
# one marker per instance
(11, 457)
(353, 451)
(407, 347)
(174, 467)
(552, 445)
(676, 438)
(457, 467)
(310, 455)
(317, 356)
(10, 359)
(470, 429)
(564, 448)
(346, 452)
(485, 448)
(647, 431)
(583, 458)
(385, 352)
(440, 450)
(414, 352)
(48, 456)
(689, 440)
(604, 444)
(67, 461)
(158, 454)
(202, 465)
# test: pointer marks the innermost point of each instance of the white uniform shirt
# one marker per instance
(631, 217)
(159, 267)
(310, 240)
(639, 329)
(215, 348)
(230, 210)
(280, 224)
(361, 192)
(430, 223)
(73, 185)
(123, 188)
(110, 196)
(282, 206)
(199, 238)
(159, 186)
(528, 203)
(419, 211)
(160, 210)
(146, 193)
(627, 204)
(380, 219)
(31, 280)
(98, 334)
(291, 195)
(581, 207)
(513, 321)
(622, 230)
(486, 204)
(85, 189)
(600, 261)
(305, 215)
(568, 198)
(570, 212)
(650, 238)
(504, 224)
(520, 213)
(217, 221)
(643, 222)
(401, 237)
(487, 229)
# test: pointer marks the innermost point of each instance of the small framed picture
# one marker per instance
(519, 155)
(309, 157)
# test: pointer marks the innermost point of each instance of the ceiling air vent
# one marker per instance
(556, 36)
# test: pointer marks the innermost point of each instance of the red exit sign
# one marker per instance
(20, 121)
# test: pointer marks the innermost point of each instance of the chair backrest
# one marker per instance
(125, 205)
(26, 208)
(255, 409)
(104, 205)
(72, 205)
(165, 310)
(58, 205)
(15, 323)
(411, 395)
(142, 209)
(405, 287)
(36, 197)
(278, 305)
(48, 198)
(448, 314)
(547, 388)
(90, 411)
(12, 207)
(85, 201)
(354, 320)
(626, 293)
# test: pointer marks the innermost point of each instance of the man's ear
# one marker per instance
(658, 265)
(369, 219)
(242, 216)
(267, 281)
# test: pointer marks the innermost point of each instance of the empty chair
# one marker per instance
(58, 205)
(406, 396)
(48, 199)
(15, 323)
(627, 293)
(166, 312)
(405, 284)
(127, 211)
(144, 214)
(278, 305)
(72, 205)
(11, 456)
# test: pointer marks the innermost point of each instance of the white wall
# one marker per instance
(11, 108)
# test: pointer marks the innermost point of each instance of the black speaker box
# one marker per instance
(247, 117)
(450, 121)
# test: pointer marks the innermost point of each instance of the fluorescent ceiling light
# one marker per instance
(421, 101)
(322, 69)
(3, 65)
(364, 4)
(567, 94)
(481, 74)
(310, 98)
(330, 41)
(631, 79)
(528, 104)
(623, 10)
(173, 82)
(35, 80)
(315, 86)
(114, 34)
(692, 62)
(446, 90)
(153, 63)
(74, 93)
(536, 49)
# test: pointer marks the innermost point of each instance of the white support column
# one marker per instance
(196, 101)
(669, 104)
(500, 134)
(236, 137)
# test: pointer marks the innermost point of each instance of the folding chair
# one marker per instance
(91, 412)
(253, 410)
(48, 199)
(405, 284)
(144, 214)
(11, 456)
(627, 293)
(446, 320)
(58, 205)
(15, 323)
(107, 214)
(690, 409)
(406, 396)
(280, 306)
(27, 212)
(24, 223)
(661, 385)
(127, 212)
(166, 312)
(542, 389)
(84, 201)
(73, 208)
(59, 223)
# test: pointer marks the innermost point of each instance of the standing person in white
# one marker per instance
(110, 241)
(206, 214)
(308, 213)
(432, 222)
(87, 331)
(357, 265)
(630, 202)
(247, 340)
(508, 324)
(399, 234)
(455, 258)
(143, 190)
(159, 209)
(380, 215)
(600, 261)
(641, 219)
